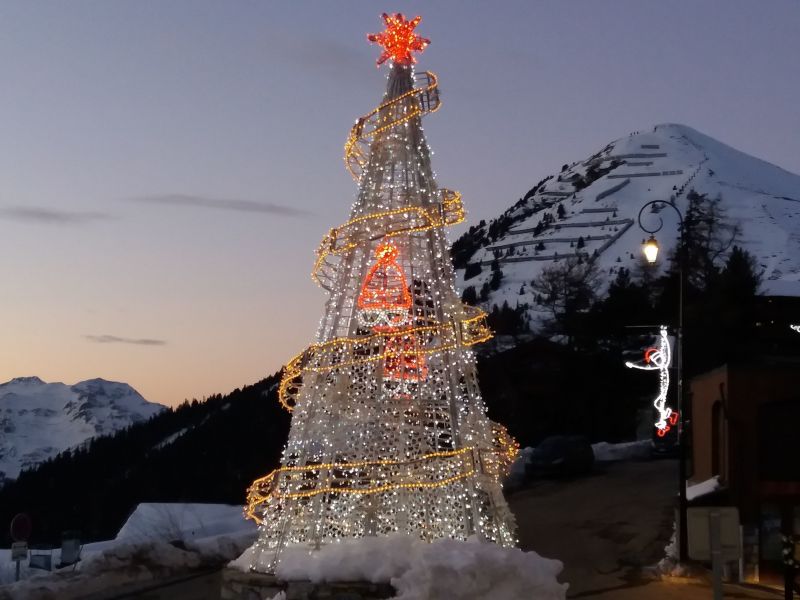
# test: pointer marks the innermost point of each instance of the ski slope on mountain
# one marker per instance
(38, 420)
(598, 220)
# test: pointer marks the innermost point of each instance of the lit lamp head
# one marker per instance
(650, 249)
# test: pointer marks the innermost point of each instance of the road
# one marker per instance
(194, 586)
(606, 528)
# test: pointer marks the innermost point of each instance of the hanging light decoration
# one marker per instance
(659, 359)
(403, 367)
(384, 302)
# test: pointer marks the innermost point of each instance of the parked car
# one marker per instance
(561, 456)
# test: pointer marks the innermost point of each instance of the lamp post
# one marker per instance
(650, 249)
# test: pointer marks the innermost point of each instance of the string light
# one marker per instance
(795, 328)
(389, 431)
(267, 488)
(348, 352)
(658, 359)
(425, 99)
(391, 223)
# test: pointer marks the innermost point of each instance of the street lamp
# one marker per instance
(650, 249)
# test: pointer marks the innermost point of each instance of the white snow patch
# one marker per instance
(170, 438)
(211, 533)
(179, 521)
(702, 488)
(603, 451)
(419, 570)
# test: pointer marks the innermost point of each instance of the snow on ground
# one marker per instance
(126, 564)
(420, 570)
(603, 451)
(210, 534)
(185, 522)
(702, 488)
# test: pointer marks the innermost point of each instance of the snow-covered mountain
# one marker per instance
(38, 420)
(591, 207)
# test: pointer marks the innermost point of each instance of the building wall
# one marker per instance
(731, 428)
(705, 393)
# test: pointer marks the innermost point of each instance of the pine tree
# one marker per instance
(469, 296)
(472, 270)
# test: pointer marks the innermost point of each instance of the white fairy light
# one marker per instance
(389, 431)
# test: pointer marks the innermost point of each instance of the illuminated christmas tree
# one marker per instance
(389, 432)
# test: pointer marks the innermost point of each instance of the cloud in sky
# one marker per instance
(191, 201)
(113, 339)
(33, 214)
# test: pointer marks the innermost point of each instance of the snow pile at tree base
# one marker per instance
(418, 570)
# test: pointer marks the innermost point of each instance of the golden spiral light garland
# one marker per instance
(379, 120)
(461, 463)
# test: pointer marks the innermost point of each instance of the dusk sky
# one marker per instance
(169, 167)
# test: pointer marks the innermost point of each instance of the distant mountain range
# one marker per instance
(38, 420)
(590, 208)
(208, 452)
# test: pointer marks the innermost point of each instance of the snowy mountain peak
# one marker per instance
(589, 208)
(38, 419)
(33, 380)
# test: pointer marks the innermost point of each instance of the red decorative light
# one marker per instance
(648, 354)
(404, 364)
(399, 39)
(384, 300)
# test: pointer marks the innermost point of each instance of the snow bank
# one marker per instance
(419, 570)
(701, 489)
(128, 564)
(209, 534)
(179, 521)
(603, 451)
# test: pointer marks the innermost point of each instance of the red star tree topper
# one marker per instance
(399, 39)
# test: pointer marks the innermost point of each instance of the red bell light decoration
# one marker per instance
(404, 365)
(385, 306)
(384, 303)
